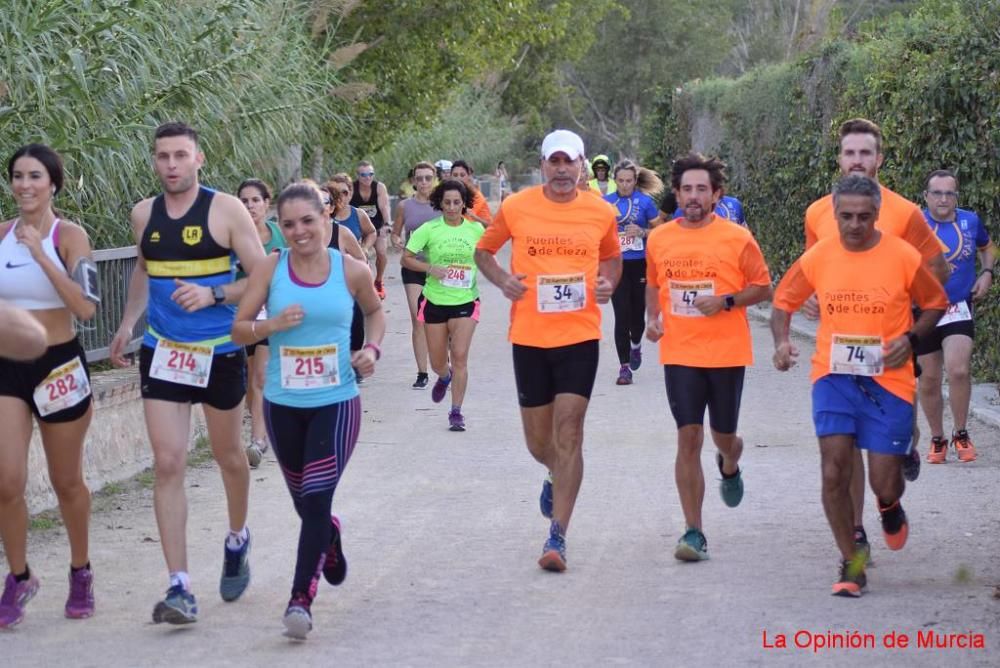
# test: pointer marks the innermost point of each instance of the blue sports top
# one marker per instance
(728, 207)
(637, 209)
(184, 248)
(352, 222)
(963, 237)
(328, 308)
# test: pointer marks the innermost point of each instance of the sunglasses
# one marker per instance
(343, 193)
(366, 173)
(423, 178)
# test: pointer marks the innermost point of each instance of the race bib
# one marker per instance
(309, 368)
(182, 363)
(630, 243)
(459, 276)
(561, 293)
(956, 313)
(683, 294)
(856, 355)
(64, 388)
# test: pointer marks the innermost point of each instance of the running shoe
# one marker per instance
(421, 382)
(731, 488)
(456, 421)
(15, 596)
(852, 578)
(862, 546)
(911, 464)
(440, 388)
(80, 603)
(335, 565)
(624, 376)
(545, 500)
(635, 358)
(554, 551)
(938, 453)
(298, 617)
(692, 546)
(179, 607)
(963, 446)
(380, 290)
(894, 526)
(235, 571)
(254, 454)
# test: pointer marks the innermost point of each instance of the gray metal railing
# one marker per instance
(114, 268)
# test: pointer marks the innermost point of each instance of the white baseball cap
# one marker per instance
(443, 164)
(562, 141)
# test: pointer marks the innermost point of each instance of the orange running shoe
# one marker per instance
(380, 290)
(964, 448)
(895, 528)
(938, 453)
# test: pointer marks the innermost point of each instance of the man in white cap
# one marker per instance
(565, 261)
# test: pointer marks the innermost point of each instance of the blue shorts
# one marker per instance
(857, 406)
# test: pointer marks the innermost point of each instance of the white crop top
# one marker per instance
(23, 283)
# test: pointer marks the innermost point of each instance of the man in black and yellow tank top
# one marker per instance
(372, 197)
(187, 238)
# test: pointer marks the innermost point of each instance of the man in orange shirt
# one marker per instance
(861, 153)
(701, 274)
(565, 261)
(862, 371)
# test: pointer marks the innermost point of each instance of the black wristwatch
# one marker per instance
(219, 294)
(730, 302)
(914, 340)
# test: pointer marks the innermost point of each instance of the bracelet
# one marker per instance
(375, 349)
(990, 270)
(253, 328)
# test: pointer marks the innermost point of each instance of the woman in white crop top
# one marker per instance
(37, 255)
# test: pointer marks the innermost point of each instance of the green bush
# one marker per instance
(931, 80)
(93, 78)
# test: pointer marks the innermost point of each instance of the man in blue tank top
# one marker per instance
(187, 238)
(949, 347)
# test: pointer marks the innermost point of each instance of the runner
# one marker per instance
(410, 215)
(565, 263)
(861, 153)
(23, 337)
(46, 270)
(442, 170)
(862, 370)
(950, 344)
(372, 197)
(602, 183)
(503, 178)
(637, 215)
(357, 221)
(449, 304)
(728, 207)
(701, 275)
(311, 400)
(480, 209)
(186, 238)
(256, 197)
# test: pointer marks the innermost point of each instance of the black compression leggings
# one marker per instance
(629, 300)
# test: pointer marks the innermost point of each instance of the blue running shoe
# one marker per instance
(335, 565)
(179, 607)
(440, 388)
(692, 546)
(235, 571)
(554, 551)
(545, 500)
(635, 358)
(731, 488)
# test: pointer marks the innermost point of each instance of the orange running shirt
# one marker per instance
(558, 246)
(481, 207)
(897, 216)
(718, 259)
(864, 300)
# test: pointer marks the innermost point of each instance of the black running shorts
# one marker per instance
(227, 382)
(21, 379)
(690, 390)
(542, 373)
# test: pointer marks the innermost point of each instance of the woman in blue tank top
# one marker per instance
(311, 405)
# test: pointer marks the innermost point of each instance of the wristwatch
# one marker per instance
(730, 302)
(219, 294)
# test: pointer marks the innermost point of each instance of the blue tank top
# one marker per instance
(352, 222)
(184, 248)
(963, 237)
(299, 368)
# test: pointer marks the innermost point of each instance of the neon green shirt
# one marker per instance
(454, 247)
